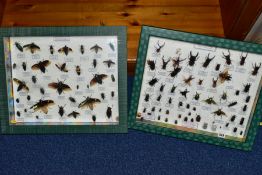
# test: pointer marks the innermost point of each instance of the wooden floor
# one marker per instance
(198, 16)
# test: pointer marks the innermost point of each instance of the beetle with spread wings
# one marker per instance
(21, 85)
(89, 103)
(41, 65)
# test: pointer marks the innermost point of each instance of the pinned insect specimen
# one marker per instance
(153, 109)
(210, 101)
(72, 99)
(188, 106)
(61, 110)
(237, 92)
(159, 97)
(180, 104)
(82, 49)
(94, 118)
(112, 94)
(25, 110)
(167, 112)
(207, 61)
(246, 87)
(94, 63)
(244, 108)
(96, 48)
(170, 100)
(227, 58)
(223, 96)
(196, 96)
(42, 91)
(32, 47)
(233, 117)
(74, 114)
(192, 120)
(109, 63)
(185, 119)
(177, 61)
(224, 76)
(242, 59)
(198, 118)
(241, 122)
(113, 78)
(65, 50)
(255, 69)
(109, 112)
(179, 115)
(235, 129)
(232, 104)
(200, 81)
(159, 47)
(166, 119)
(194, 108)
(247, 98)
(51, 49)
(103, 96)
(89, 103)
(42, 105)
(62, 67)
(153, 81)
(192, 59)
(112, 47)
(188, 80)
(227, 124)
(184, 93)
(14, 66)
(78, 70)
(21, 85)
(175, 71)
(18, 113)
(173, 89)
(151, 64)
(17, 100)
(59, 86)
(77, 86)
(41, 65)
(28, 97)
(219, 112)
(214, 82)
(164, 63)
(24, 66)
(217, 67)
(18, 46)
(147, 97)
(34, 79)
(161, 89)
(144, 110)
(98, 79)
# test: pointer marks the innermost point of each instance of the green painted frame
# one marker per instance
(146, 32)
(119, 31)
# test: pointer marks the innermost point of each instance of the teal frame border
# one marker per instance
(119, 31)
(148, 31)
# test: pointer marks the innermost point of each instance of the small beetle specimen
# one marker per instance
(144, 110)
(196, 96)
(214, 82)
(18, 46)
(51, 48)
(170, 100)
(235, 129)
(59, 86)
(96, 48)
(194, 108)
(98, 79)
(173, 89)
(94, 63)
(188, 80)
(244, 108)
(153, 109)
(224, 76)
(207, 61)
(32, 47)
(28, 97)
(151, 64)
(184, 93)
(177, 61)
(232, 104)
(210, 101)
(237, 92)
(232, 119)
(73, 114)
(42, 91)
(147, 97)
(185, 119)
(61, 110)
(162, 87)
(166, 120)
(242, 59)
(227, 58)
(180, 104)
(255, 69)
(227, 124)
(42, 105)
(241, 121)
(18, 113)
(188, 106)
(14, 66)
(112, 47)
(65, 50)
(192, 59)
(198, 118)
(41, 65)
(246, 87)
(219, 112)
(113, 78)
(159, 97)
(109, 63)
(112, 94)
(153, 81)
(72, 99)
(167, 112)
(159, 47)
(78, 70)
(17, 100)
(21, 85)
(24, 66)
(223, 96)
(200, 81)
(109, 112)
(37, 117)
(89, 103)
(217, 67)
(164, 63)
(159, 110)
(34, 79)
(102, 95)
(175, 71)
(82, 49)
(94, 118)
(192, 120)
(77, 86)
(62, 67)
(25, 110)
(247, 98)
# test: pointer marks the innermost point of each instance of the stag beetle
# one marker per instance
(192, 59)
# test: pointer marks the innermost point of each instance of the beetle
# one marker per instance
(94, 118)
(78, 70)
(217, 67)
(242, 59)
(28, 97)
(232, 104)
(184, 93)
(159, 47)
(214, 82)
(24, 66)
(159, 97)
(162, 87)
(18, 113)
(242, 121)
(192, 59)
(82, 49)
(113, 78)
(102, 95)
(153, 81)
(170, 100)
(167, 112)
(173, 89)
(237, 92)
(144, 110)
(34, 79)
(151, 64)
(153, 109)
(180, 104)
(207, 61)
(164, 63)
(196, 96)
(175, 71)
(246, 87)
(72, 99)
(177, 61)
(188, 80)
(112, 94)
(14, 65)
(42, 90)
(247, 98)
(227, 57)
(147, 97)
(198, 118)
(255, 68)
(18, 46)
(219, 112)
(51, 48)
(223, 96)
(109, 112)
(200, 81)
(244, 108)
(61, 110)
